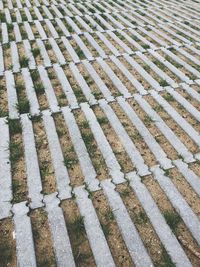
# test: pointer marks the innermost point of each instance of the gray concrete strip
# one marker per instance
(138, 86)
(101, 85)
(5, 173)
(189, 175)
(62, 26)
(12, 95)
(70, 50)
(2, 67)
(115, 80)
(51, 28)
(44, 54)
(18, 37)
(105, 148)
(128, 230)
(83, 47)
(171, 67)
(61, 174)
(58, 53)
(143, 73)
(155, 148)
(15, 57)
(166, 131)
(95, 45)
(126, 141)
(193, 93)
(40, 30)
(194, 135)
(186, 104)
(82, 83)
(181, 62)
(73, 25)
(97, 240)
(120, 42)
(108, 44)
(163, 231)
(24, 237)
(30, 92)
(157, 70)
(29, 55)
(81, 150)
(32, 164)
(4, 32)
(61, 242)
(179, 203)
(53, 103)
(66, 87)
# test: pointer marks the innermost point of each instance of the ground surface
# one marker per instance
(99, 133)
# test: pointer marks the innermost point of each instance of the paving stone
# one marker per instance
(48, 13)
(155, 148)
(129, 76)
(24, 236)
(73, 25)
(44, 53)
(116, 81)
(1, 61)
(53, 103)
(189, 107)
(15, 57)
(104, 146)
(18, 36)
(82, 83)
(12, 95)
(165, 234)
(51, 28)
(29, 55)
(5, 173)
(61, 242)
(101, 85)
(70, 49)
(61, 174)
(166, 131)
(30, 92)
(143, 39)
(97, 240)
(177, 117)
(40, 30)
(108, 44)
(58, 53)
(4, 31)
(104, 22)
(81, 150)
(104, 31)
(83, 47)
(38, 14)
(120, 42)
(129, 232)
(83, 23)
(191, 91)
(95, 44)
(157, 70)
(181, 62)
(143, 73)
(66, 87)
(32, 165)
(62, 26)
(171, 67)
(189, 175)
(125, 139)
(29, 31)
(179, 203)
